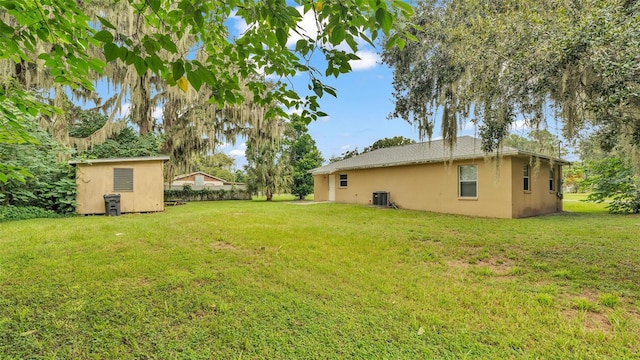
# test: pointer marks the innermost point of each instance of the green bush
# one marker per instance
(188, 194)
(9, 213)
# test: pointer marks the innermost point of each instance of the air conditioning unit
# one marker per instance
(380, 198)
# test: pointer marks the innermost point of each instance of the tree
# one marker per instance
(268, 168)
(613, 178)
(389, 142)
(217, 164)
(59, 36)
(303, 155)
(378, 144)
(51, 186)
(124, 144)
(537, 141)
(492, 62)
(345, 155)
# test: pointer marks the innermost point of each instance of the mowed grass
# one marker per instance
(258, 280)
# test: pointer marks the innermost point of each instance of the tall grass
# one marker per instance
(280, 280)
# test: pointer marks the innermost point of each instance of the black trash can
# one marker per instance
(112, 204)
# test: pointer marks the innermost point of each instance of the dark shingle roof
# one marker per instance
(466, 147)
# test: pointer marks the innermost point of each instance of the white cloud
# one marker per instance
(291, 111)
(239, 152)
(368, 60)
(520, 125)
(306, 27)
(125, 109)
(157, 113)
(345, 147)
(238, 23)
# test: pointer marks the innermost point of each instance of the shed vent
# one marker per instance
(123, 179)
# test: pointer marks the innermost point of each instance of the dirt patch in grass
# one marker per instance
(221, 245)
(497, 267)
(591, 321)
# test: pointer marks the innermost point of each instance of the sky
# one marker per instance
(358, 116)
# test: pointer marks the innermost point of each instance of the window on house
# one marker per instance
(343, 180)
(468, 179)
(525, 176)
(123, 179)
(551, 187)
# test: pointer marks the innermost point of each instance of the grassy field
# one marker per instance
(232, 280)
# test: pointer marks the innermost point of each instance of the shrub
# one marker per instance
(9, 213)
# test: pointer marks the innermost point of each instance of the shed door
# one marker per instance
(332, 188)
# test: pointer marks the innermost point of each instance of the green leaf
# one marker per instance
(106, 23)
(140, 65)
(167, 43)
(4, 28)
(177, 69)
(282, 37)
(111, 51)
(103, 36)
(154, 4)
(384, 19)
(195, 80)
(337, 34)
(405, 7)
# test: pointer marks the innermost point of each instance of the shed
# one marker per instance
(139, 181)
(433, 177)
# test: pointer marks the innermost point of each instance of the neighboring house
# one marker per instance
(199, 180)
(428, 176)
(138, 181)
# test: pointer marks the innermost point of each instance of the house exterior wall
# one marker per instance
(321, 187)
(95, 180)
(430, 187)
(539, 199)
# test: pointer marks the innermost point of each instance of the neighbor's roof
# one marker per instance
(178, 177)
(466, 147)
(118, 160)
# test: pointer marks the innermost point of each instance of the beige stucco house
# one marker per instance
(428, 176)
(139, 181)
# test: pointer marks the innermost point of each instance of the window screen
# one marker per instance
(122, 179)
(468, 181)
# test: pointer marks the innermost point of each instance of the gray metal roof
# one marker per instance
(115, 160)
(466, 147)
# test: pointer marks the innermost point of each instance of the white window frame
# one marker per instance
(460, 182)
(341, 180)
(552, 184)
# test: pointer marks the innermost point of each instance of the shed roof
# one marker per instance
(117, 160)
(466, 147)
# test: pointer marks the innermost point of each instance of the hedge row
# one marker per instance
(10, 212)
(188, 194)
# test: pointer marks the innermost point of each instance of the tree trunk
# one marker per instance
(141, 115)
(269, 195)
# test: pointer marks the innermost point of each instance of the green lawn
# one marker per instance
(258, 280)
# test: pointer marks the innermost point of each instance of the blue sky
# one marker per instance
(358, 116)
